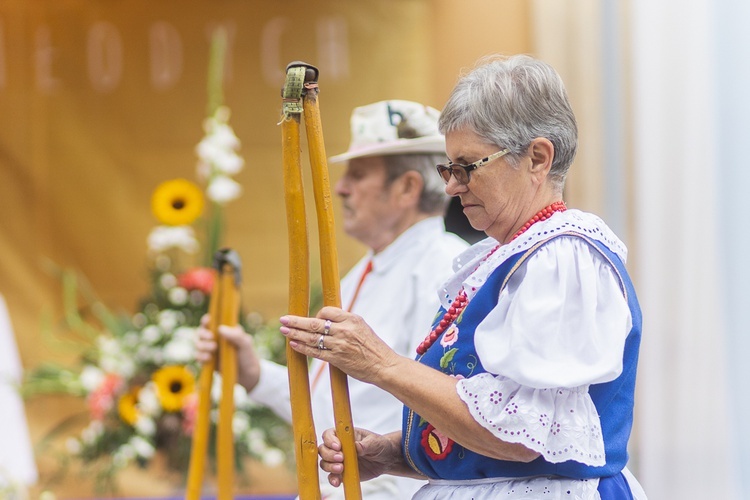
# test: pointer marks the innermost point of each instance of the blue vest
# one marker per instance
(613, 400)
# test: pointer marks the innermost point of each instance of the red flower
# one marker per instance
(198, 278)
(436, 444)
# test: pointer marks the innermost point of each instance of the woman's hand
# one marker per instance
(248, 363)
(342, 339)
(376, 455)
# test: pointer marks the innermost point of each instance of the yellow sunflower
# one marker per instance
(177, 202)
(173, 384)
(126, 406)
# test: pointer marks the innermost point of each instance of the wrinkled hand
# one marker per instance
(376, 455)
(248, 363)
(348, 343)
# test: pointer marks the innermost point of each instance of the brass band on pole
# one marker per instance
(305, 440)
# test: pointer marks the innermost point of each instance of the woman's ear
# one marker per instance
(541, 152)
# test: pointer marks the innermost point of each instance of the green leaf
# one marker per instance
(447, 358)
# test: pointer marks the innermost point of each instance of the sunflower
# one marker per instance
(177, 202)
(126, 406)
(173, 384)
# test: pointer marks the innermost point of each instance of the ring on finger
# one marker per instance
(321, 346)
(327, 327)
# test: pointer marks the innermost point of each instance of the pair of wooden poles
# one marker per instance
(299, 98)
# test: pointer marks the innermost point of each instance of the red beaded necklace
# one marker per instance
(461, 300)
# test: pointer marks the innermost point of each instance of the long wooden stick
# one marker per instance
(223, 309)
(303, 427)
(330, 277)
(230, 309)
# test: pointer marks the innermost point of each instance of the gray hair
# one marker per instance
(512, 101)
(433, 199)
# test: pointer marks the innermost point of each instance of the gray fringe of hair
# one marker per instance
(511, 101)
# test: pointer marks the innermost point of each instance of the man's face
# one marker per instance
(368, 208)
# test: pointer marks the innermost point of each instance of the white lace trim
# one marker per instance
(472, 270)
(561, 424)
(512, 489)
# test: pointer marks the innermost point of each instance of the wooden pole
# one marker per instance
(303, 427)
(230, 309)
(330, 276)
(223, 309)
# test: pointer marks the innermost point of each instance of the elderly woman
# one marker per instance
(523, 386)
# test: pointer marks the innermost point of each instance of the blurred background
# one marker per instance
(102, 100)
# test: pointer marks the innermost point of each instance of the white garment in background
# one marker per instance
(398, 300)
(16, 454)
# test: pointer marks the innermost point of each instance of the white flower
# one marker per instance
(241, 398)
(222, 189)
(227, 163)
(169, 319)
(151, 334)
(141, 447)
(145, 426)
(256, 442)
(179, 351)
(178, 296)
(123, 455)
(91, 378)
(240, 423)
(148, 400)
(163, 238)
(167, 280)
(273, 457)
(130, 339)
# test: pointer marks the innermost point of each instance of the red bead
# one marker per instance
(443, 322)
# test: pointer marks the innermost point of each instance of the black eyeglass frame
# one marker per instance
(453, 168)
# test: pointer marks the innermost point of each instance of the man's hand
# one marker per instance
(248, 363)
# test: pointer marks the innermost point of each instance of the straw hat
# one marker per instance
(393, 127)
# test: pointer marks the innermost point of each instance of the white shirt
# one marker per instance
(398, 300)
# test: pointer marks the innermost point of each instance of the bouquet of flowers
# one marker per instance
(138, 374)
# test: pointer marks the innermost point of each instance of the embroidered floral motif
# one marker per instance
(450, 336)
(436, 444)
(447, 358)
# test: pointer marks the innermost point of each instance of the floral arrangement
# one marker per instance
(137, 374)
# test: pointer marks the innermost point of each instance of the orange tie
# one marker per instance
(323, 365)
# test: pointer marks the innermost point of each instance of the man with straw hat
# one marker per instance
(393, 203)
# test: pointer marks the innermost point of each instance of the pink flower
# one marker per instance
(189, 411)
(450, 337)
(102, 399)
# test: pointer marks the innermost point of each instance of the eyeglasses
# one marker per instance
(461, 172)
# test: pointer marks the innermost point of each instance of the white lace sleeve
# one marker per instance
(561, 321)
(561, 424)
